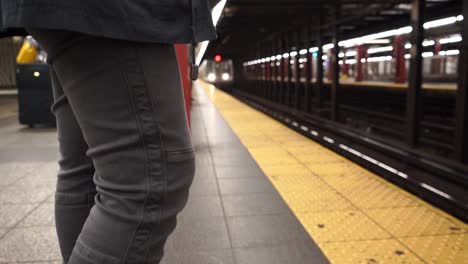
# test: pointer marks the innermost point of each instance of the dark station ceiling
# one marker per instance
(246, 23)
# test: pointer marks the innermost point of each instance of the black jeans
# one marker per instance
(127, 160)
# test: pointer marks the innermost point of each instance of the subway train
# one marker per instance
(217, 70)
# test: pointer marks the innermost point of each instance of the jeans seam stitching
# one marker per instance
(162, 148)
(140, 130)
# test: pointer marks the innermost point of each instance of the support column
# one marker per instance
(413, 97)
(461, 139)
(289, 72)
(275, 70)
(336, 66)
(319, 74)
(308, 66)
(281, 97)
(359, 56)
(297, 73)
(437, 61)
(399, 52)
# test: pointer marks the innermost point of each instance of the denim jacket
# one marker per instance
(162, 21)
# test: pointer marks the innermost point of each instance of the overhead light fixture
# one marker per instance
(427, 54)
(452, 39)
(314, 49)
(328, 46)
(379, 50)
(441, 22)
(428, 43)
(449, 52)
(378, 59)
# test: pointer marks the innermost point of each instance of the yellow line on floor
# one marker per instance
(352, 214)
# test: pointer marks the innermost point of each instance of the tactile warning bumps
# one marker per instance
(353, 215)
(339, 226)
(385, 251)
(414, 221)
(446, 249)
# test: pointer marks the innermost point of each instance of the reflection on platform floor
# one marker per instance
(353, 215)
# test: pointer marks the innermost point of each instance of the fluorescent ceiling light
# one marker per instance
(449, 52)
(328, 46)
(452, 39)
(440, 22)
(314, 49)
(428, 43)
(427, 54)
(379, 50)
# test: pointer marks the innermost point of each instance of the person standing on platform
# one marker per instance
(127, 160)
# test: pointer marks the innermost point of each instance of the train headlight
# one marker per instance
(225, 76)
(211, 77)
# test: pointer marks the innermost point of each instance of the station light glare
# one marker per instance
(314, 49)
(328, 46)
(441, 22)
(449, 52)
(381, 58)
(428, 43)
(427, 54)
(452, 39)
(379, 50)
(381, 38)
(211, 77)
(351, 53)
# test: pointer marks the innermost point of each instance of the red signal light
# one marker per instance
(218, 58)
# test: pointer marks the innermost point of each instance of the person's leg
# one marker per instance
(75, 188)
(128, 101)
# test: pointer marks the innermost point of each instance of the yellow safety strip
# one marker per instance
(353, 215)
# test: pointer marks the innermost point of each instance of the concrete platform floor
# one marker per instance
(234, 214)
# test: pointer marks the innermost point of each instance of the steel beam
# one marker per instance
(413, 98)
(461, 139)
